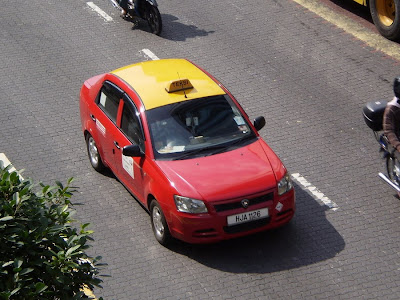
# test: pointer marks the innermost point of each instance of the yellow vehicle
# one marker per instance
(386, 16)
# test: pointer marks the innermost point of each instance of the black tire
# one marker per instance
(154, 19)
(159, 224)
(386, 17)
(94, 155)
(393, 169)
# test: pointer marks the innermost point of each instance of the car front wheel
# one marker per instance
(159, 224)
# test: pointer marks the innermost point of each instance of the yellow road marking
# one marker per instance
(372, 39)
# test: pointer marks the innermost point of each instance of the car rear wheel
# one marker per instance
(159, 224)
(93, 152)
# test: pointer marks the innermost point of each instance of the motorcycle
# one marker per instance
(373, 117)
(147, 10)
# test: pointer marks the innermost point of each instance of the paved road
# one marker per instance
(308, 77)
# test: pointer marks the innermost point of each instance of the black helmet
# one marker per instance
(396, 87)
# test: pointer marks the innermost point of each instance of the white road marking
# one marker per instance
(314, 191)
(4, 162)
(150, 54)
(99, 11)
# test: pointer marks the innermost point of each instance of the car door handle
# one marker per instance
(116, 145)
(93, 117)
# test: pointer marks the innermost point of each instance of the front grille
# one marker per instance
(247, 226)
(237, 204)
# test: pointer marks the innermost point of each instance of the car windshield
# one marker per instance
(198, 127)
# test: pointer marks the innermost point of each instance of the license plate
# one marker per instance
(248, 216)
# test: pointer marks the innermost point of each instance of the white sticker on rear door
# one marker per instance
(103, 99)
(127, 164)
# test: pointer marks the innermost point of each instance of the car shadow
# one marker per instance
(173, 29)
(108, 173)
(307, 239)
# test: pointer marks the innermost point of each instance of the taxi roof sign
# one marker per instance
(178, 85)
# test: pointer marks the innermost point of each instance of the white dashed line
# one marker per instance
(4, 162)
(314, 191)
(99, 11)
(150, 54)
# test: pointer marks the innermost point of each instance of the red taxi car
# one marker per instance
(184, 147)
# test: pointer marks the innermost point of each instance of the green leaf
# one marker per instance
(7, 264)
(14, 176)
(65, 207)
(85, 225)
(18, 263)
(59, 184)
(70, 250)
(5, 295)
(8, 218)
(40, 287)
(71, 239)
(25, 271)
(15, 291)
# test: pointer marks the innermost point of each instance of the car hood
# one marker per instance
(237, 173)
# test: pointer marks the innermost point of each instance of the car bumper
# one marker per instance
(213, 227)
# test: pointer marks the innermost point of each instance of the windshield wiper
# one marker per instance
(234, 143)
(200, 150)
(217, 148)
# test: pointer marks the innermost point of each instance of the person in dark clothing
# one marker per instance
(391, 117)
(124, 6)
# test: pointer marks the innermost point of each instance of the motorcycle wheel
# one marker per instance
(154, 20)
(393, 169)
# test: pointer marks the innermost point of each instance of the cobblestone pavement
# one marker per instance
(309, 79)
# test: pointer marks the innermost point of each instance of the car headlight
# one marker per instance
(285, 184)
(189, 205)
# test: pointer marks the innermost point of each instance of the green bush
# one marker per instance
(42, 256)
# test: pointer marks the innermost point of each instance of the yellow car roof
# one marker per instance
(156, 81)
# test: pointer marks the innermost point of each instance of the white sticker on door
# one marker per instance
(100, 127)
(127, 164)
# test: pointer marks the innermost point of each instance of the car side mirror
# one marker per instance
(132, 151)
(259, 123)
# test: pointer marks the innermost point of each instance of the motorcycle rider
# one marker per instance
(391, 119)
(124, 6)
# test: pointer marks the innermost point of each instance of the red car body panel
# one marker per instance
(249, 173)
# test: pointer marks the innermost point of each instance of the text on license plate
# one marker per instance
(248, 216)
